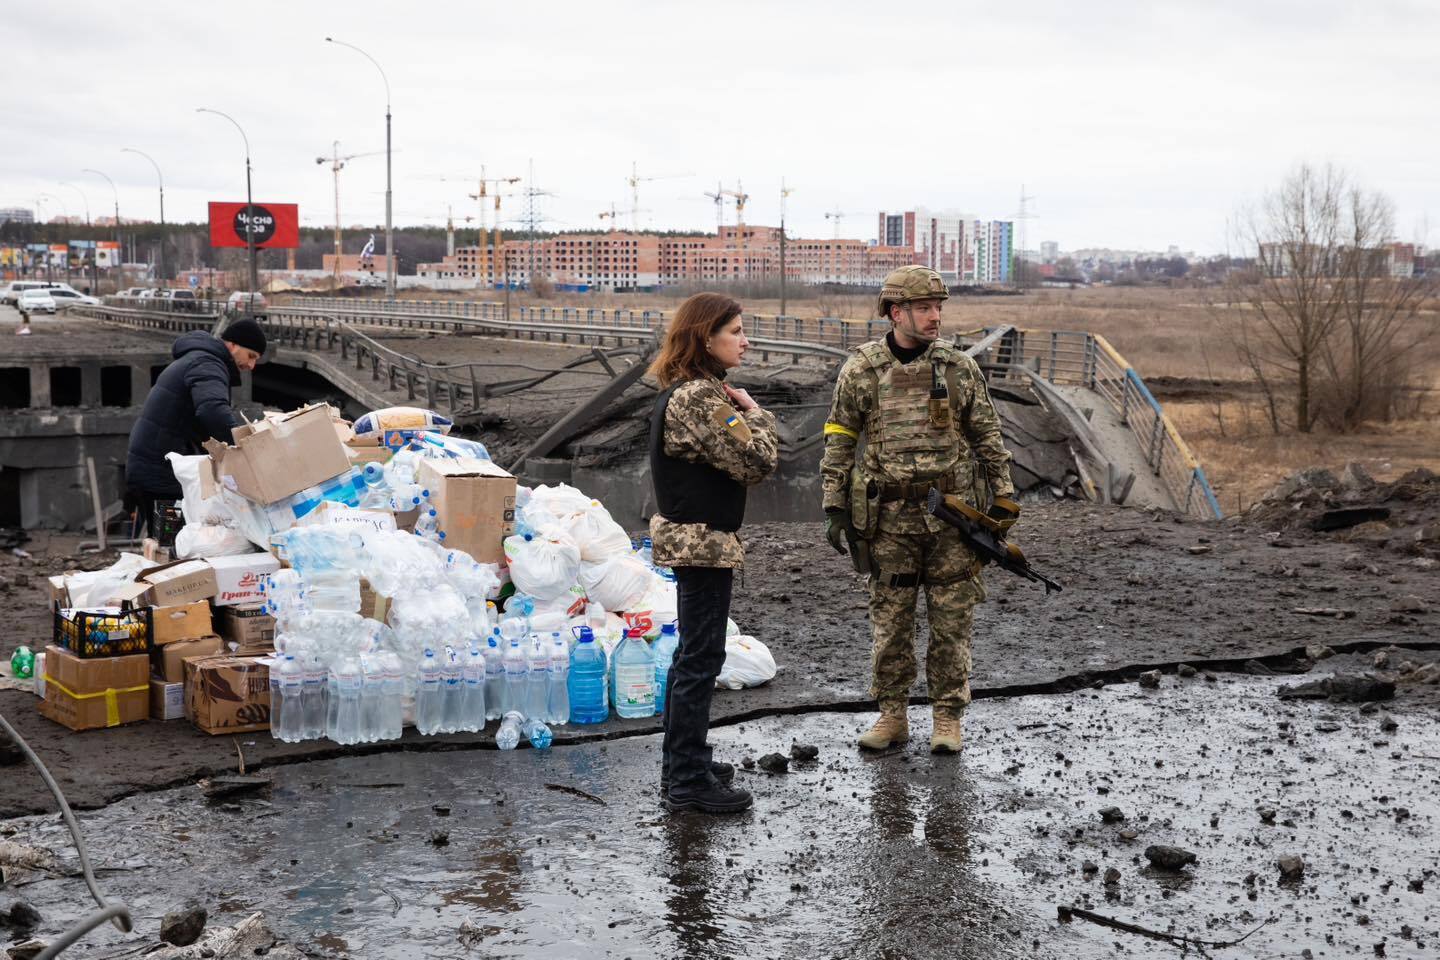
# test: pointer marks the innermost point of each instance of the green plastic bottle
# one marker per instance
(22, 663)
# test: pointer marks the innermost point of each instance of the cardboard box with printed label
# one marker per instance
(247, 626)
(167, 700)
(227, 694)
(184, 621)
(169, 661)
(339, 515)
(168, 585)
(474, 501)
(280, 455)
(95, 693)
(238, 579)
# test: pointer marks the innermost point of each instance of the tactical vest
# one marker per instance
(904, 430)
(689, 492)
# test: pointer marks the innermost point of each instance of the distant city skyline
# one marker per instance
(1124, 124)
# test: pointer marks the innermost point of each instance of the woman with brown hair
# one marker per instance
(708, 442)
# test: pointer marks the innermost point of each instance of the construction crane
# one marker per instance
(613, 215)
(719, 199)
(634, 180)
(485, 188)
(837, 215)
(337, 163)
(740, 197)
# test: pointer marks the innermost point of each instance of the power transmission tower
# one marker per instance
(1021, 216)
(784, 196)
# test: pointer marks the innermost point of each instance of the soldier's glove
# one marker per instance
(837, 530)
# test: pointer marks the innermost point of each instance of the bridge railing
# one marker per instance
(1088, 360)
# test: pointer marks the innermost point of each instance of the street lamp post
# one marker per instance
(249, 211)
(95, 255)
(389, 220)
(49, 261)
(86, 201)
(161, 178)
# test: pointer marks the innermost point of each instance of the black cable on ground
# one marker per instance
(115, 911)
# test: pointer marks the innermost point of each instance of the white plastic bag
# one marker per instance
(748, 663)
(561, 502)
(202, 540)
(196, 507)
(618, 583)
(597, 534)
(544, 564)
(91, 588)
(658, 607)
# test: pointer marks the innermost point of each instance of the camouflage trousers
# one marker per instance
(950, 574)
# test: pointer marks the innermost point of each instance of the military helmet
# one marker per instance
(910, 283)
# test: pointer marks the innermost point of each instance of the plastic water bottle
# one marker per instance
(290, 721)
(516, 669)
(452, 696)
(647, 552)
(537, 732)
(277, 699)
(392, 715)
(508, 736)
(494, 676)
(347, 716)
(665, 647)
(314, 697)
(473, 673)
(587, 679)
(558, 713)
(22, 663)
(372, 697)
(427, 695)
(634, 691)
(537, 680)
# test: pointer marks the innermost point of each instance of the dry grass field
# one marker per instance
(1164, 334)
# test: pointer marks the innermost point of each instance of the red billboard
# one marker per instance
(276, 226)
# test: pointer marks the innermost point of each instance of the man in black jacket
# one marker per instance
(189, 403)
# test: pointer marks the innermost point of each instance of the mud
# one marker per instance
(1136, 597)
(899, 854)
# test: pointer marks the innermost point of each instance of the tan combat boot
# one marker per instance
(945, 737)
(890, 729)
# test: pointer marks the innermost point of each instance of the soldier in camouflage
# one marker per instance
(927, 419)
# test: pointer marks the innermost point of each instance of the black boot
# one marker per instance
(711, 796)
(723, 772)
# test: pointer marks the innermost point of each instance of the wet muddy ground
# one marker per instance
(900, 854)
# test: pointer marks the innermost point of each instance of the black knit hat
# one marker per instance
(245, 333)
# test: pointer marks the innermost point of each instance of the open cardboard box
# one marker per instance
(280, 455)
(474, 502)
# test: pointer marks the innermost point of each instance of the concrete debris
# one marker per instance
(1319, 651)
(804, 752)
(1185, 670)
(1428, 673)
(1150, 679)
(1344, 689)
(1292, 867)
(21, 917)
(1409, 604)
(775, 763)
(251, 937)
(1166, 857)
(27, 858)
(1112, 876)
(1111, 815)
(183, 927)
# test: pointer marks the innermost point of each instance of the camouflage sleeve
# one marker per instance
(848, 411)
(702, 426)
(982, 429)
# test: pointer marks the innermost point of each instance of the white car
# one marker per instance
(239, 298)
(65, 298)
(10, 293)
(36, 300)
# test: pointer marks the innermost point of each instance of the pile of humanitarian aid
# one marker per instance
(337, 580)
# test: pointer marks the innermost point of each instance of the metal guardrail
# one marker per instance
(1089, 360)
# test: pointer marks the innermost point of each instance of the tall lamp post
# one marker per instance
(249, 210)
(389, 221)
(49, 260)
(95, 257)
(161, 178)
(86, 201)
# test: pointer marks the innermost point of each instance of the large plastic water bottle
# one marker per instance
(587, 679)
(558, 713)
(347, 716)
(665, 647)
(537, 680)
(291, 719)
(452, 698)
(372, 697)
(473, 672)
(428, 694)
(516, 669)
(494, 676)
(634, 692)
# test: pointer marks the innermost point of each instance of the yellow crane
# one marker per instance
(337, 163)
(634, 181)
(740, 197)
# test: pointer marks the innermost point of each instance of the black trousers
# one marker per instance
(703, 595)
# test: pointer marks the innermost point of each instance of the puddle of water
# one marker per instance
(899, 855)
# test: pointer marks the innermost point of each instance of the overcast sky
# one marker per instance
(1132, 125)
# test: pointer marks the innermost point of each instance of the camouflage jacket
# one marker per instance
(887, 403)
(747, 449)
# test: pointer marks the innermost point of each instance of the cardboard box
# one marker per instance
(59, 590)
(91, 694)
(280, 455)
(169, 585)
(340, 515)
(474, 501)
(167, 700)
(361, 453)
(372, 604)
(151, 550)
(184, 621)
(227, 694)
(169, 660)
(246, 625)
(238, 578)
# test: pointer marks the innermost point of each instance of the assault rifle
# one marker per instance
(986, 535)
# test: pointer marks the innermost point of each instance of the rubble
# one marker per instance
(183, 927)
(1346, 689)
(1167, 857)
(775, 763)
(1292, 867)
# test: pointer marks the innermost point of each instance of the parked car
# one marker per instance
(10, 293)
(66, 298)
(35, 300)
(181, 300)
(239, 298)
